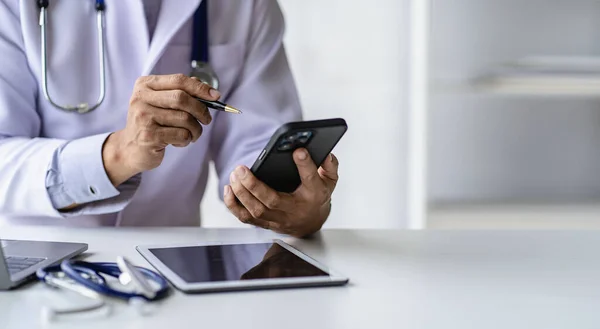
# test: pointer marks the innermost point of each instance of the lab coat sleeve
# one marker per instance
(25, 158)
(265, 91)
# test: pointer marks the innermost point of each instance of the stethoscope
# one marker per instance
(140, 285)
(201, 69)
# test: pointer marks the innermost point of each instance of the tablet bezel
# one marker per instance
(333, 278)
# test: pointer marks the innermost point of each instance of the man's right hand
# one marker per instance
(162, 111)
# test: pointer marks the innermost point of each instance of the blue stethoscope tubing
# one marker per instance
(200, 34)
(75, 270)
(201, 68)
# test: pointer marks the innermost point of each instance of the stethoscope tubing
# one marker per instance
(75, 270)
(200, 64)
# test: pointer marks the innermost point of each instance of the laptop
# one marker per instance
(19, 259)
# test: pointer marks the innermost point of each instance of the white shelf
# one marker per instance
(559, 216)
(543, 75)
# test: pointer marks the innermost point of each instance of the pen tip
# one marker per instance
(231, 109)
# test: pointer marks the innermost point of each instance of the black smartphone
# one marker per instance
(275, 165)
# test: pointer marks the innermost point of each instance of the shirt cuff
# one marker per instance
(82, 170)
(76, 175)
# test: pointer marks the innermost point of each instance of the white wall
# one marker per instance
(511, 148)
(350, 60)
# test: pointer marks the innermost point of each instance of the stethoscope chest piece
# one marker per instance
(204, 72)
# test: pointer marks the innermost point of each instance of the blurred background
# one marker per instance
(462, 114)
(514, 129)
(350, 60)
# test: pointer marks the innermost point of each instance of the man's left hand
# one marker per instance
(298, 214)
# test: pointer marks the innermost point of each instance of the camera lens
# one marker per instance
(284, 145)
(304, 136)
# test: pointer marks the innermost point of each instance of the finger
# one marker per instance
(172, 136)
(236, 208)
(329, 171)
(307, 169)
(183, 82)
(179, 119)
(263, 193)
(254, 206)
(179, 100)
(239, 211)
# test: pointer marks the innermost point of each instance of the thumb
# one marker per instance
(329, 171)
(307, 169)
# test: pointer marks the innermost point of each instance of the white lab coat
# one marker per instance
(246, 51)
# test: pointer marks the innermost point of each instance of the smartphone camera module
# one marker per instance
(294, 140)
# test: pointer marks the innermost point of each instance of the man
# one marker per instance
(141, 157)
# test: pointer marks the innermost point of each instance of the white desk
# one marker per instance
(399, 279)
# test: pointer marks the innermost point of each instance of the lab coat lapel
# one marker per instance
(173, 14)
(126, 16)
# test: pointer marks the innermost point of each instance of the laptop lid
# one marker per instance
(29, 255)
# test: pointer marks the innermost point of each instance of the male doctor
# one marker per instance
(141, 158)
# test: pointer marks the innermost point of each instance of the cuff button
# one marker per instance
(92, 190)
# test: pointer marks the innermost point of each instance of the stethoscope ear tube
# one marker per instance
(200, 65)
(81, 107)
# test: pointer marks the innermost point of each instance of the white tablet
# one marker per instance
(214, 267)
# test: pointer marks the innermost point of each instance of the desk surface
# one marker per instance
(399, 279)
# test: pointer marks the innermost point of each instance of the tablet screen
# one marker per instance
(196, 264)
